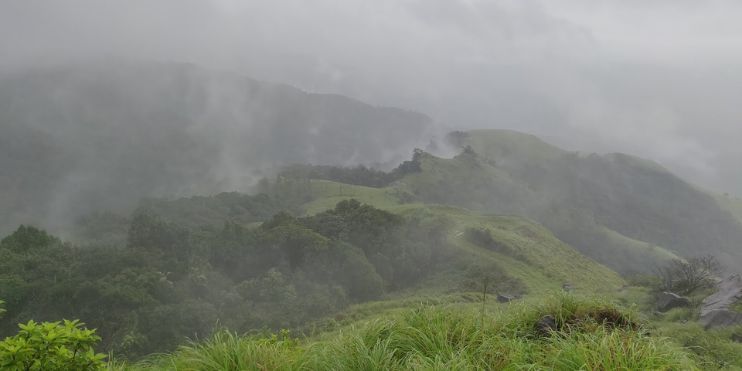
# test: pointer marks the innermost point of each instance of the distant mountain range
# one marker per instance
(102, 135)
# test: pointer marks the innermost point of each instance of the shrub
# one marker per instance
(51, 346)
(684, 277)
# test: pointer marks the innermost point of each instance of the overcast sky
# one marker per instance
(660, 79)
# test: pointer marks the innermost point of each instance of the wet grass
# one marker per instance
(589, 335)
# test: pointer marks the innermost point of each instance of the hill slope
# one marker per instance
(626, 212)
(74, 139)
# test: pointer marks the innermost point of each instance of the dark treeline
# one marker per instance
(167, 281)
(357, 175)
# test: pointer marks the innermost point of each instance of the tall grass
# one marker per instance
(589, 335)
(228, 351)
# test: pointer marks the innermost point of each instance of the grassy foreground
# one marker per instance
(585, 334)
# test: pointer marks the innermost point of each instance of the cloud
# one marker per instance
(658, 79)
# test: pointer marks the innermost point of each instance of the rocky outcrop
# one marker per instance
(504, 298)
(716, 309)
(669, 300)
(721, 318)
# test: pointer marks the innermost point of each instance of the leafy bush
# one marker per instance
(51, 346)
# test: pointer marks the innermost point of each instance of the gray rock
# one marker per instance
(715, 311)
(504, 298)
(720, 318)
(729, 291)
(669, 300)
(546, 325)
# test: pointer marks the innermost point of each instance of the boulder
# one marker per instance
(669, 300)
(716, 309)
(546, 325)
(504, 298)
(721, 318)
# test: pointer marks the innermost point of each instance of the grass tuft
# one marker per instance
(590, 335)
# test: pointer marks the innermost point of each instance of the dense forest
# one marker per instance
(169, 282)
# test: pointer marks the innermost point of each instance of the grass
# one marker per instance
(327, 194)
(543, 263)
(589, 335)
(713, 349)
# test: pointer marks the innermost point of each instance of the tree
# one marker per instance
(686, 276)
(51, 346)
(28, 238)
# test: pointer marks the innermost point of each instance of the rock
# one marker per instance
(720, 318)
(567, 287)
(669, 300)
(504, 298)
(546, 325)
(729, 291)
(715, 310)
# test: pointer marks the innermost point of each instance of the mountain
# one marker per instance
(509, 216)
(623, 211)
(101, 135)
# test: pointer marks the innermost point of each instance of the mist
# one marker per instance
(655, 79)
(271, 183)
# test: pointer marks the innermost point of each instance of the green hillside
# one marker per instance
(534, 254)
(625, 212)
(405, 272)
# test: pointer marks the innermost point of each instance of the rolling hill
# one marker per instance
(102, 135)
(623, 211)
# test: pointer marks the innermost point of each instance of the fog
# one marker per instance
(656, 79)
(314, 173)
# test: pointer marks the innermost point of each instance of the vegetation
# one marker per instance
(687, 276)
(627, 213)
(355, 268)
(358, 175)
(51, 346)
(590, 335)
(170, 282)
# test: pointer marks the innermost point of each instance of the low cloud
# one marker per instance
(659, 79)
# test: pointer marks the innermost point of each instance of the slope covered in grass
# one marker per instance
(605, 205)
(530, 253)
(584, 334)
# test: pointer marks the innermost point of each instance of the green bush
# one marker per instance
(51, 346)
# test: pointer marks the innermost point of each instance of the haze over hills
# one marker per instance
(227, 185)
(129, 163)
(102, 135)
